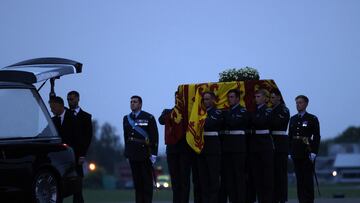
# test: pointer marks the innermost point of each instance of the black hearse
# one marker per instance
(35, 166)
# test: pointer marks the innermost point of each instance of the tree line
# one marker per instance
(106, 148)
(349, 135)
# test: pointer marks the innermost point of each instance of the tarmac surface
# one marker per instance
(322, 200)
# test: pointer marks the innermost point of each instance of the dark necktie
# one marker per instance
(57, 121)
(73, 112)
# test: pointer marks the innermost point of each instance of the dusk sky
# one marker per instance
(148, 48)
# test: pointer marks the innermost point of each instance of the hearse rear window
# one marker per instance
(22, 115)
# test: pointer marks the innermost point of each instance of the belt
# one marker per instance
(134, 139)
(262, 132)
(302, 138)
(234, 132)
(211, 133)
(298, 137)
(277, 132)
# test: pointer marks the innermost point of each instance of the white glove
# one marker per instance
(312, 156)
(289, 156)
(153, 159)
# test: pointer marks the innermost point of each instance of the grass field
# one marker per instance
(104, 196)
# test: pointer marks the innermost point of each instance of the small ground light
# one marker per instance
(92, 167)
(334, 173)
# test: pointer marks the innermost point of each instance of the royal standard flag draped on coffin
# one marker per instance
(193, 112)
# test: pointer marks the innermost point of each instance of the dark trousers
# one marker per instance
(304, 180)
(233, 177)
(262, 172)
(223, 193)
(195, 177)
(280, 177)
(209, 174)
(250, 188)
(179, 165)
(143, 180)
(78, 196)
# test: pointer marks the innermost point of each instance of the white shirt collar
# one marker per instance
(77, 110)
(302, 113)
(136, 113)
(62, 116)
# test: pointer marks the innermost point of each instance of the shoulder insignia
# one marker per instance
(218, 111)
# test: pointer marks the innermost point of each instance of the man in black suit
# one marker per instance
(141, 148)
(63, 120)
(304, 134)
(83, 131)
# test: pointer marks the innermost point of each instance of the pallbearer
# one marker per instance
(236, 121)
(262, 149)
(209, 158)
(279, 122)
(178, 153)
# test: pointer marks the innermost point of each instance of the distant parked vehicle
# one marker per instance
(163, 182)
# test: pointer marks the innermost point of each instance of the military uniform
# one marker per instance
(304, 134)
(210, 157)
(138, 150)
(179, 160)
(195, 177)
(262, 154)
(279, 122)
(233, 144)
